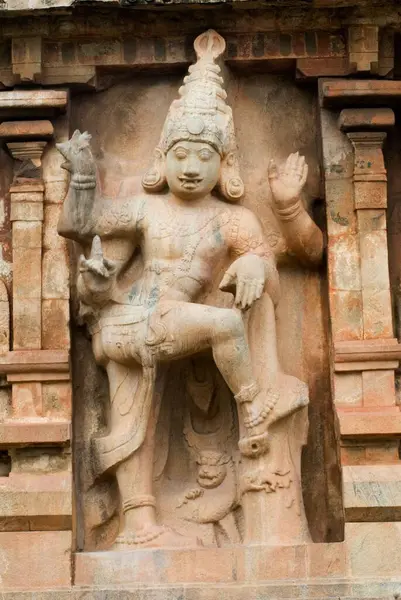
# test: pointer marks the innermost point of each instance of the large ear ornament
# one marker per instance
(154, 179)
(230, 182)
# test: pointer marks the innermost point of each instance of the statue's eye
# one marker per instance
(205, 155)
(180, 154)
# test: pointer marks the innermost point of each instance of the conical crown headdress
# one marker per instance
(201, 114)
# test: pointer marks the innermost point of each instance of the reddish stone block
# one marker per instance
(370, 194)
(358, 91)
(338, 154)
(371, 548)
(366, 118)
(346, 315)
(344, 262)
(372, 492)
(55, 275)
(341, 216)
(27, 400)
(24, 555)
(27, 269)
(351, 454)
(378, 388)
(26, 129)
(51, 239)
(27, 323)
(39, 431)
(368, 423)
(32, 361)
(377, 314)
(323, 67)
(24, 186)
(4, 320)
(27, 234)
(56, 189)
(374, 259)
(326, 560)
(384, 452)
(348, 389)
(26, 211)
(55, 330)
(27, 193)
(30, 495)
(273, 562)
(57, 400)
(31, 99)
(371, 220)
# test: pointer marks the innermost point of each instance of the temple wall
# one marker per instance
(320, 79)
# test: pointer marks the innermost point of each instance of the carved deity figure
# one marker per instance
(186, 228)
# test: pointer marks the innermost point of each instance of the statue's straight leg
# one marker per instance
(135, 473)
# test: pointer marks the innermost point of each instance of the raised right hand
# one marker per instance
(97, 269)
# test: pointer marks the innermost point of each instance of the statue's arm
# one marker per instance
(254, 269)
(85, 213)
(303, 237)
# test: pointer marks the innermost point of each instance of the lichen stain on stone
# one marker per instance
(337, 218)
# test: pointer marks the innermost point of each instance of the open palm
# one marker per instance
(287, 182)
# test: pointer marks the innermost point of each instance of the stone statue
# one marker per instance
(184, 229)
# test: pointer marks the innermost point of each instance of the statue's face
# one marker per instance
(192, 169)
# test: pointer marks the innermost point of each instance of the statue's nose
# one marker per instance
(191, 168)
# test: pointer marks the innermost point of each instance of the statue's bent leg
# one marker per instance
(192, 328)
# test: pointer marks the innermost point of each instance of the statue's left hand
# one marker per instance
(97, 271)
(247, 277)
(287, 182)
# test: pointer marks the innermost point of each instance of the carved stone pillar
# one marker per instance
(366, 352)
(36, 431)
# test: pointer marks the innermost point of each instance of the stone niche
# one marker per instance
(273, 118)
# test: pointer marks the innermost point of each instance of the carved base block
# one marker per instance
(325, 571)
(234, 564)
(376, 589)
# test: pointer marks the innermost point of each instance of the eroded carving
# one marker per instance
(189, 227)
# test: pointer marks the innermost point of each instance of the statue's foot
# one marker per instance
(282, 399)
(156, 536)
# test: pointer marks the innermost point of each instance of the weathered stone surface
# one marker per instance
(372, 493)
(32, 99)
(26, 129)
(27, 323)
(27, 361)
(378, 388)
(365, 422)
(341, 92)
(56, 324)
(28, 495)
(21, 567)
(363, 47)
(371, 548)
(219, 565)
(366, 118)
(29, 432)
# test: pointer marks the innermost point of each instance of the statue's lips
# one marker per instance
(189, 183)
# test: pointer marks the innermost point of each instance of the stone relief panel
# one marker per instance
(198, 439)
